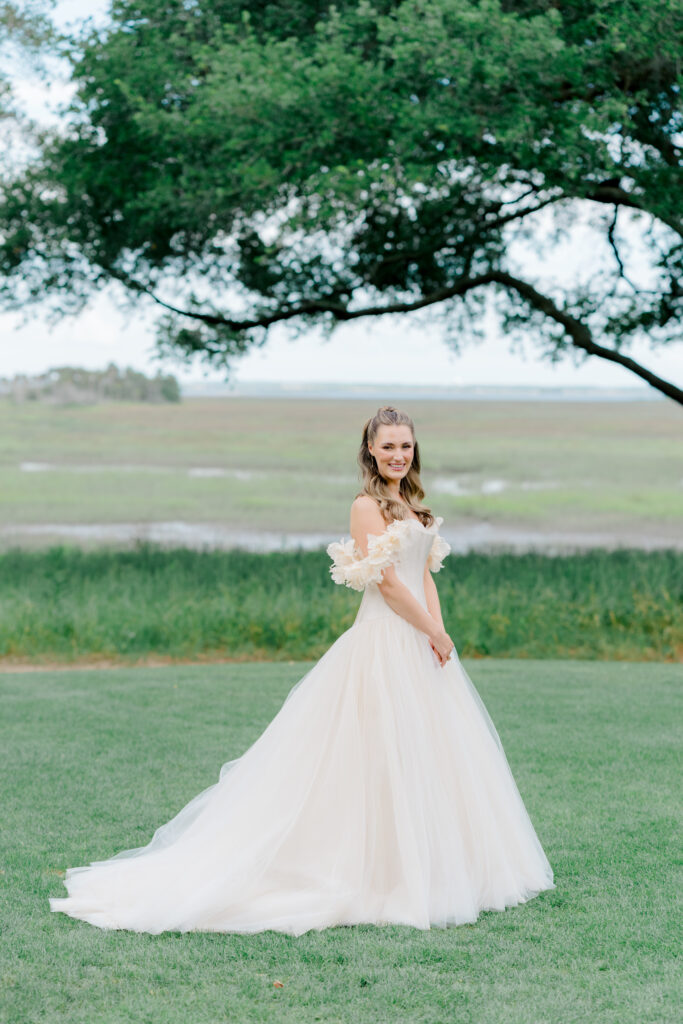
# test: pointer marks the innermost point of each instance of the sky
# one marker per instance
(363, 352)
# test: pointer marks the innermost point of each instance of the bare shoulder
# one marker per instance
(366, 516)
(364, 501)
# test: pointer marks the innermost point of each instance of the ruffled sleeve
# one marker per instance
(352, 570)
(439, 550)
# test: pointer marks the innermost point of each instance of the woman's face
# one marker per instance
(393, 449)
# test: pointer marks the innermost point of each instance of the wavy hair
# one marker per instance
(374, 484)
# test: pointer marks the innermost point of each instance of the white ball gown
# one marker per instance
(380, 793)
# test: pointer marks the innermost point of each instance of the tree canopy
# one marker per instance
(25, 29)
(74, 384)
(312, 163)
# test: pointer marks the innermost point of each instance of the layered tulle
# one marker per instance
(379, 793)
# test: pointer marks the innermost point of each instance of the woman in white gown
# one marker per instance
(380, 792)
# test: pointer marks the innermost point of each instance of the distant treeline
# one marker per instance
(72, 384)
(65, 604)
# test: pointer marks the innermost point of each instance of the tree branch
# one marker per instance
(578, 332)
(612, 193)
(487, 224)
(613, 242)
(581, 337)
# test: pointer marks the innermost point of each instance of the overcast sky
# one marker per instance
(387, 349)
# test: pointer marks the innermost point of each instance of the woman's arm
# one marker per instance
(366, 518)
(432, 595)
(433, 604)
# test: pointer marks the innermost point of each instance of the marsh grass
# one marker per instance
(65, 604)
(611, 467)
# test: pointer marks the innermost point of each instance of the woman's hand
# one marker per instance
(442, 645)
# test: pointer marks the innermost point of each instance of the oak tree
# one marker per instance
(312, 163)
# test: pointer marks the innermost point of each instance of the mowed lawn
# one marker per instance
(94, 761)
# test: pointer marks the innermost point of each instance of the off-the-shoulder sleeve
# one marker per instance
(352, 570)
(439, 550)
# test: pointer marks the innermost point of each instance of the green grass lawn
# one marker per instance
(94, 761)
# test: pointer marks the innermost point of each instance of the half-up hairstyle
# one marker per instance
(374, 484)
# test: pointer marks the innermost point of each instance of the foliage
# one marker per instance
(72, 384)
(310, 163)
(71, 605)
(25, 30)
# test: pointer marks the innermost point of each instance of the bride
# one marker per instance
(380, 792)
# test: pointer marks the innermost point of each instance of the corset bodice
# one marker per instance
(409, 562)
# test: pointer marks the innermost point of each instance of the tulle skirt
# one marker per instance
(379, 793)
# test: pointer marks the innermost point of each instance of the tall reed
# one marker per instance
(65, 604)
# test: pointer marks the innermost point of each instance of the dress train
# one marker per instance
(379, 793)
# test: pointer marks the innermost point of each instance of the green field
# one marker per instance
(67, 605)
(95, 761)
(289, 464)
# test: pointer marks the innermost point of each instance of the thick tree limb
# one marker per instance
(581, 337)
(578, 333)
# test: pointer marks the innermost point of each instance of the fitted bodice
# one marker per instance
(409, 562)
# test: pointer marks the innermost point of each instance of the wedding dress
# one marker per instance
(379, 793)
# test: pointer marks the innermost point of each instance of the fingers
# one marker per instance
(439, 657)
(443, 658)
(447, 657)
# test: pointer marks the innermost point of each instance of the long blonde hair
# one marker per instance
(375, 485)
